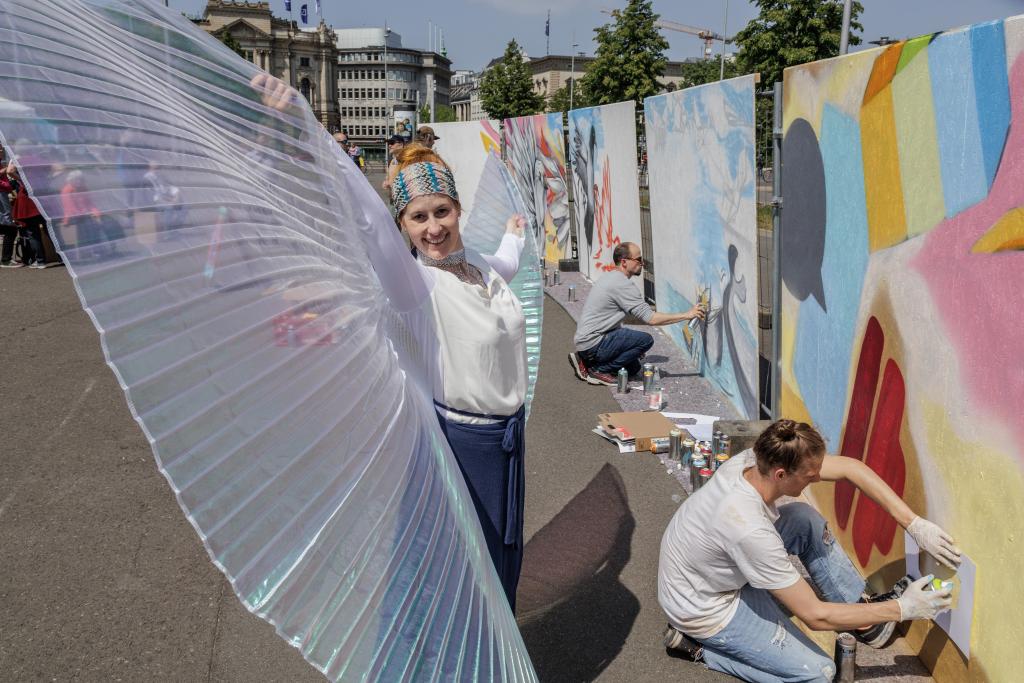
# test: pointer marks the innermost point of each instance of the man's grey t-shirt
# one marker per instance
(610, 299)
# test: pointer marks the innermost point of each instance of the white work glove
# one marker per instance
(919, 603)
(934, 541)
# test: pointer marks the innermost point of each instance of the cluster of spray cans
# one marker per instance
(700, 458)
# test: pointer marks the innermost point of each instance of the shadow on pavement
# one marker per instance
(574, 612)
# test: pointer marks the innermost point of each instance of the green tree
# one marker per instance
(561, 100)
(230, 43)
(445, 114)
(507, 90)
(704, 71)
(791, 32)
(630, 57)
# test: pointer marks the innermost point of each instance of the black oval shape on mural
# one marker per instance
(803, 212)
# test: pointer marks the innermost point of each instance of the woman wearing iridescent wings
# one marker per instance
(479, 324)
(474, 326)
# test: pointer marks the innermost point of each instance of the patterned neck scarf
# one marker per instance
(420, 179)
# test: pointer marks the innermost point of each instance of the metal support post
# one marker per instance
(777, 251)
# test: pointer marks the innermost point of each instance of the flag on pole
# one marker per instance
(547, 25)
(304, 14)
(318, 8)
(288, 5)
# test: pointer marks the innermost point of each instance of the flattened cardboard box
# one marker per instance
(642, 426)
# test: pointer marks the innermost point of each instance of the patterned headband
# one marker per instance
(419, 179)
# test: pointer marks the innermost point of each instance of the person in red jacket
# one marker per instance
(25, 212)
(8, 228)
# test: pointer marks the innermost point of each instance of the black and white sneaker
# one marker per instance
(580, 369)
(879, 635)
(682, 643)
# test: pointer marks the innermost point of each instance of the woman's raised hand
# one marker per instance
(274, 92)
(515, 225)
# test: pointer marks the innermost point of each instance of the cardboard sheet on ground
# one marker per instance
(701, 427)
(957, 621)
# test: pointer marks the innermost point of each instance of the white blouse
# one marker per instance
(482, 346)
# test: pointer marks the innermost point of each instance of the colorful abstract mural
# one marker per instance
(700, 145)
(464, 145)
(535, 153)
(606, 191)
(902, 326)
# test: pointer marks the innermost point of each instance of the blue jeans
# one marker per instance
(760, 643)
(620, 348)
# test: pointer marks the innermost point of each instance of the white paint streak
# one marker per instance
(71, 411)
(7, 501)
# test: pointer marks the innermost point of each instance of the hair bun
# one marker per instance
(786, 430)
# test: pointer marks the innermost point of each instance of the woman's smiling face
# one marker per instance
(432, 223)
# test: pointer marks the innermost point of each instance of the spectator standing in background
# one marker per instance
(8, 228)
(425, 135)
(25, 212)
(396, 143)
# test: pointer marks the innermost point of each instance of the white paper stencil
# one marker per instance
(957, 621)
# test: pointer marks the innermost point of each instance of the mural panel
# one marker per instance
(700, 145)
(464, 145)
(602, 142)
(902, 332)
(535, 150)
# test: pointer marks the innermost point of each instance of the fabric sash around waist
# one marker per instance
(512, 443)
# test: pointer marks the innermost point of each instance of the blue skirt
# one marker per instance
(490, 457)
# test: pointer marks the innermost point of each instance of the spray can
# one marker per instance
(556, 278)
(675, 445)
(705, 477)
(654, 398)
(696, 465)
(720, 460)
(623, 381)
(714, 442)
(571, 292)
(724, 445)
(845, 658)
(688, 445)
(648, 377)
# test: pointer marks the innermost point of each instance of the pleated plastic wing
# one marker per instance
(497, 197)
(222, 249)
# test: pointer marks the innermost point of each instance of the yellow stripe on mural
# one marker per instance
(883, 189)
(1006, 235)
(917, 141)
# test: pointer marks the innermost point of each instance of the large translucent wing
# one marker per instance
(221, 248)
(497, 198)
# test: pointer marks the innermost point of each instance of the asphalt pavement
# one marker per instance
(102, 578)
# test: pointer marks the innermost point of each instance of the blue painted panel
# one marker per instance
(824, 341)
(956, 122)
(991, 91)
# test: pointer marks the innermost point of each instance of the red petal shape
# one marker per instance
(871, 524)
(858, 417)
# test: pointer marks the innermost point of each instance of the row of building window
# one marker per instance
(375, 93)
(376, 75)
(378, 57)
(364, 131)
(363, 112)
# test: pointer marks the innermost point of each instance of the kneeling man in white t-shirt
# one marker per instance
(725, 577)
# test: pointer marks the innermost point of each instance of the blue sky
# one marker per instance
(476, 31)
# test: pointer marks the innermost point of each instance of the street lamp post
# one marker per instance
(572, 71)
(844, 39)
(387, 124)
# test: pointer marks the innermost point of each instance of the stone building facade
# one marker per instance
(377, 74)
(307, 58)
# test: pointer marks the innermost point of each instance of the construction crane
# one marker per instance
(707, 35)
